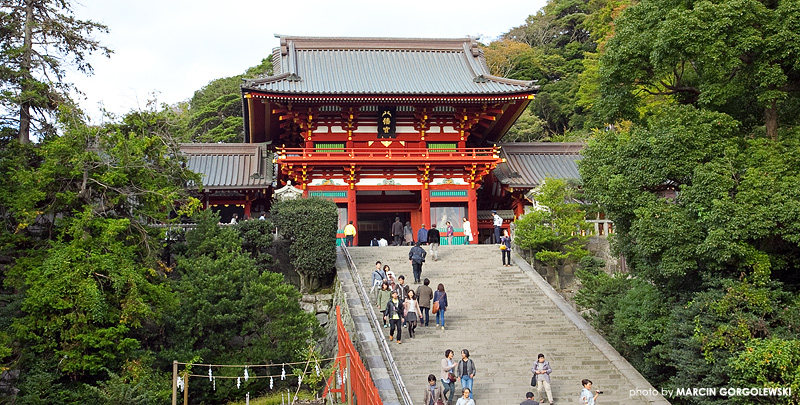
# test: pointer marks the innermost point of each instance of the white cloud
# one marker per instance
(174, 47)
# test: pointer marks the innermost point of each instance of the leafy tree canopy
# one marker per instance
(214, 113)
(38, 39)
(739, 57)
(554, 229)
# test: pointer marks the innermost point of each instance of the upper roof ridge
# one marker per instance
(376, 43)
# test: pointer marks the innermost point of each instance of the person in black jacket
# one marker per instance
(394, 314)
(417, 256)
(433, 241)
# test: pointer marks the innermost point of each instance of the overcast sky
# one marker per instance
(174, 47)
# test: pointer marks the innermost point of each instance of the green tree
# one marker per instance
(707, 219)
(772, 363)
(554, 230)
(734, 56)
(38, 39)
(310, 225)
(214, 113)
(231, 312)
(84, 276)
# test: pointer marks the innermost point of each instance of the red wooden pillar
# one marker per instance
(472, 211)
(247, 204)
(351, 211)
(518, 204)
(426, 207)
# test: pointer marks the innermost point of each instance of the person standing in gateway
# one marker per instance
(434, 237)
(467, 232)
(349, 234)
(498, 223)
(397, 232)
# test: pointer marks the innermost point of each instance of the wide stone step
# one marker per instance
(504, 319)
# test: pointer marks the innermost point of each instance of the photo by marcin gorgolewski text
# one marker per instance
(714, 392)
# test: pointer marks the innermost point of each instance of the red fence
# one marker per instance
(351, 378)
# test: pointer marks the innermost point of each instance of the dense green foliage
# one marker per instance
(310, 225)
(555, 47)
(39, 40)
(735, 56)
(714, 267)
(89, 312)
(231, 312)
(553, 230)
(214, 113)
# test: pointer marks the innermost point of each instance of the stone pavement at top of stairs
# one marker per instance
(504, 320)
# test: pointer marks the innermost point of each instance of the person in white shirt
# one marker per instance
(467, 232)
(498, 223)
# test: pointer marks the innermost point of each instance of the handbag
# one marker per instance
(451, 377)
(533, 381)
(435, 307)
(503, 247)
(439, 402)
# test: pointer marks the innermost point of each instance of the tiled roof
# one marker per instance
(487, 215)
(388, 66)
(230, 166)
(528, 164)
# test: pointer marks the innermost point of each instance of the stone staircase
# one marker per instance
(504, 319)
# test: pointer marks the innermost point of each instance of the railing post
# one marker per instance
(175, 382)
(185, 388)
(348, 383)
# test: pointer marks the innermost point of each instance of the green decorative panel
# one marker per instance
(328, 194)
(329, 146)
(449, 193)
(442, 146)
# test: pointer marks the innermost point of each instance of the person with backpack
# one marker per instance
(417, 256)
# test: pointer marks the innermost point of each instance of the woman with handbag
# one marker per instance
(448, 378)
(439, 304)
(433, 393)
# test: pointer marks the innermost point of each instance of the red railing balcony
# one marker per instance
(371, 155)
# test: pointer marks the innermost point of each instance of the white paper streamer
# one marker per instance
(283, 373)
(299, 380)
(246, 376)
(317, 367)
(238, 382)
(180, 383)
(270, 382)
(210, 377)
(214, 382)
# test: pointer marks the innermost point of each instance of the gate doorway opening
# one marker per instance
(378, 225)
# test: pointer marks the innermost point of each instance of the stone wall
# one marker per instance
(323, 306)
